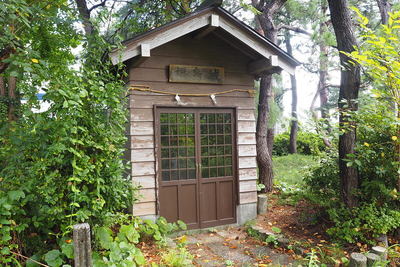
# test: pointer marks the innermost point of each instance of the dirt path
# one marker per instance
(233, 247)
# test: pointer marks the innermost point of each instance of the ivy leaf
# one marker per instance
(128, 232)
(53, 258)
(15, 195)
(68, 250)
(31, 263)
(181, 225)
(139, 258)
(276, 230)
(4, 221)
(104, 235)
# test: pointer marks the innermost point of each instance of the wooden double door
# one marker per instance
(196, 159)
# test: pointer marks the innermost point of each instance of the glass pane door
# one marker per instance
(216, 145)
(178, 160)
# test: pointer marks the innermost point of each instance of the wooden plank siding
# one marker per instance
(247, 165)
(152, 72)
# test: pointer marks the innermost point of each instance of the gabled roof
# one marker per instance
(208, 19)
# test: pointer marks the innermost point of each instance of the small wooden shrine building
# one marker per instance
(192, 116)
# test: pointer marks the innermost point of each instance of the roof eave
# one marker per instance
(134, 50)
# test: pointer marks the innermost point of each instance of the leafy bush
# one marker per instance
(379, 210)
(64, 165)
(179, 257)
(322, 180)
(363, 223)
(307, 143)
(116, 244)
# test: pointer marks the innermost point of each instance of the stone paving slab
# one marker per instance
(229, 253)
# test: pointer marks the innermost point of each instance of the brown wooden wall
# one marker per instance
(153, 72)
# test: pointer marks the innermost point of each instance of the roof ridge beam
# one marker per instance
(264, 66)
(214, 23)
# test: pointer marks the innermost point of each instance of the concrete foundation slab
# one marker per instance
(246, 212)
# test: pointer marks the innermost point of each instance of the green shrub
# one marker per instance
(178, 257)
(307, 143)
(379, 210)
(322, 181)
(363, 223)
(67, 162)
(116, 244)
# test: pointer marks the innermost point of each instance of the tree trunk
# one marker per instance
(12, 96)
(322, 83)
(348, 95)
(2, 87)
(264, 160)
(384, 8)
(323, 65)
(398, 154)
(265, 134)
(270, 139)
(3, 105)
(84, 13)
(294, 119)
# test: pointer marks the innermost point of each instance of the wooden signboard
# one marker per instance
(196, 74)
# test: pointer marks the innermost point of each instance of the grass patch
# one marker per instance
(290, 169)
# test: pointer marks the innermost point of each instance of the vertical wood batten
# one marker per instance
(142, 128)
(248, 174)
(247, 186)
(246, 115)
(247, 150)
(142, 155)
(141, 114)
(147, 195)
(248, 197)
(146, 182)
(144, 208)
(247, 156)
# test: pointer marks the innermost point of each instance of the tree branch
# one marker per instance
(98, 5)
(294, 29)
(273, 6)
(257, 5)
(332, 85)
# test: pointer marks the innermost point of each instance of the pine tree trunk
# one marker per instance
(384, 9)
(322, 83)
(398, 153)
(348, 95)
(265, 134)
(2, 87)
(84, 13)
(323, 64)
(270, 140)
(293, 120)
(264, 160)
(12, 96)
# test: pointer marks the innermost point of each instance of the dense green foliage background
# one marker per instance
(308, 143)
